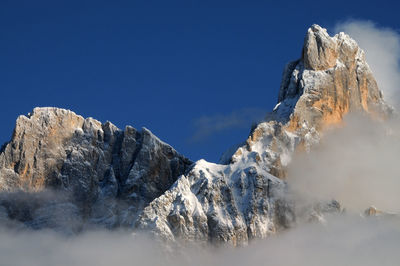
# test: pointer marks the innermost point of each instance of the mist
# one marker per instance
(357, 164)
(343, 240)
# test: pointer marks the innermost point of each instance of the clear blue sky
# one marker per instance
(165, 65)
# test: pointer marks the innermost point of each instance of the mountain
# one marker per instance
(68, 173)
(82, 170)
(242, 199)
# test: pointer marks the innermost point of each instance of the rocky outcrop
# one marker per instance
(330, 80)
(320, 51)
(220, 203)
(68, 173)
(93, 165)
(328, 91)
(374, 212)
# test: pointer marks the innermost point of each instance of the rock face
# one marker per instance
(330, 80)
(65, 172)
(93, 165)
(220, 203)
(320, 50)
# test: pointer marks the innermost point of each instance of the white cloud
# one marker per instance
(382, 48)
(346, 240)
(356, 165)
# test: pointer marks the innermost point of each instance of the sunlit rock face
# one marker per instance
(330, 80)
(69, 173)
(320, 51)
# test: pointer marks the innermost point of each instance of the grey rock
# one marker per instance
(94, 165)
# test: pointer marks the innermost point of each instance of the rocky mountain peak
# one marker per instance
(129, 178)
(330, 80)
(241, 198)
(93, 164)
(320, 51)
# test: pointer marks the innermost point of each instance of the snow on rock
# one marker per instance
(218, 203)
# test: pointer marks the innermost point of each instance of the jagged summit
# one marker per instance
(330, 80)
(94, 164)
(128, 178)
(241, 199)
(320, 50)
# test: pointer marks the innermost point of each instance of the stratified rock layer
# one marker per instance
(68, 173)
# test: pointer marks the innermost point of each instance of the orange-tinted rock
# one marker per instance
(330, 80)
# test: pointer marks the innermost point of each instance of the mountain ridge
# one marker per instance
(128, 178)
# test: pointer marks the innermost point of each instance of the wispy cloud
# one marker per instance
(382, 48)
(206, 126)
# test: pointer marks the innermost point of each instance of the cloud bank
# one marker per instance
(358, 165)
(345, 240)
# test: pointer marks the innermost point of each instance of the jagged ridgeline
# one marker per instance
(68, 173)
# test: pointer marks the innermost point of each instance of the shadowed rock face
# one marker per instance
(65, 172)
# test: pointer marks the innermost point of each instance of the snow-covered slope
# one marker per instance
(65, 172)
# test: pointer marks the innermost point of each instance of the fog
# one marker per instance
(344, 240)
(358, 165)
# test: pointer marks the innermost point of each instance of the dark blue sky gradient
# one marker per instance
(159, 64)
